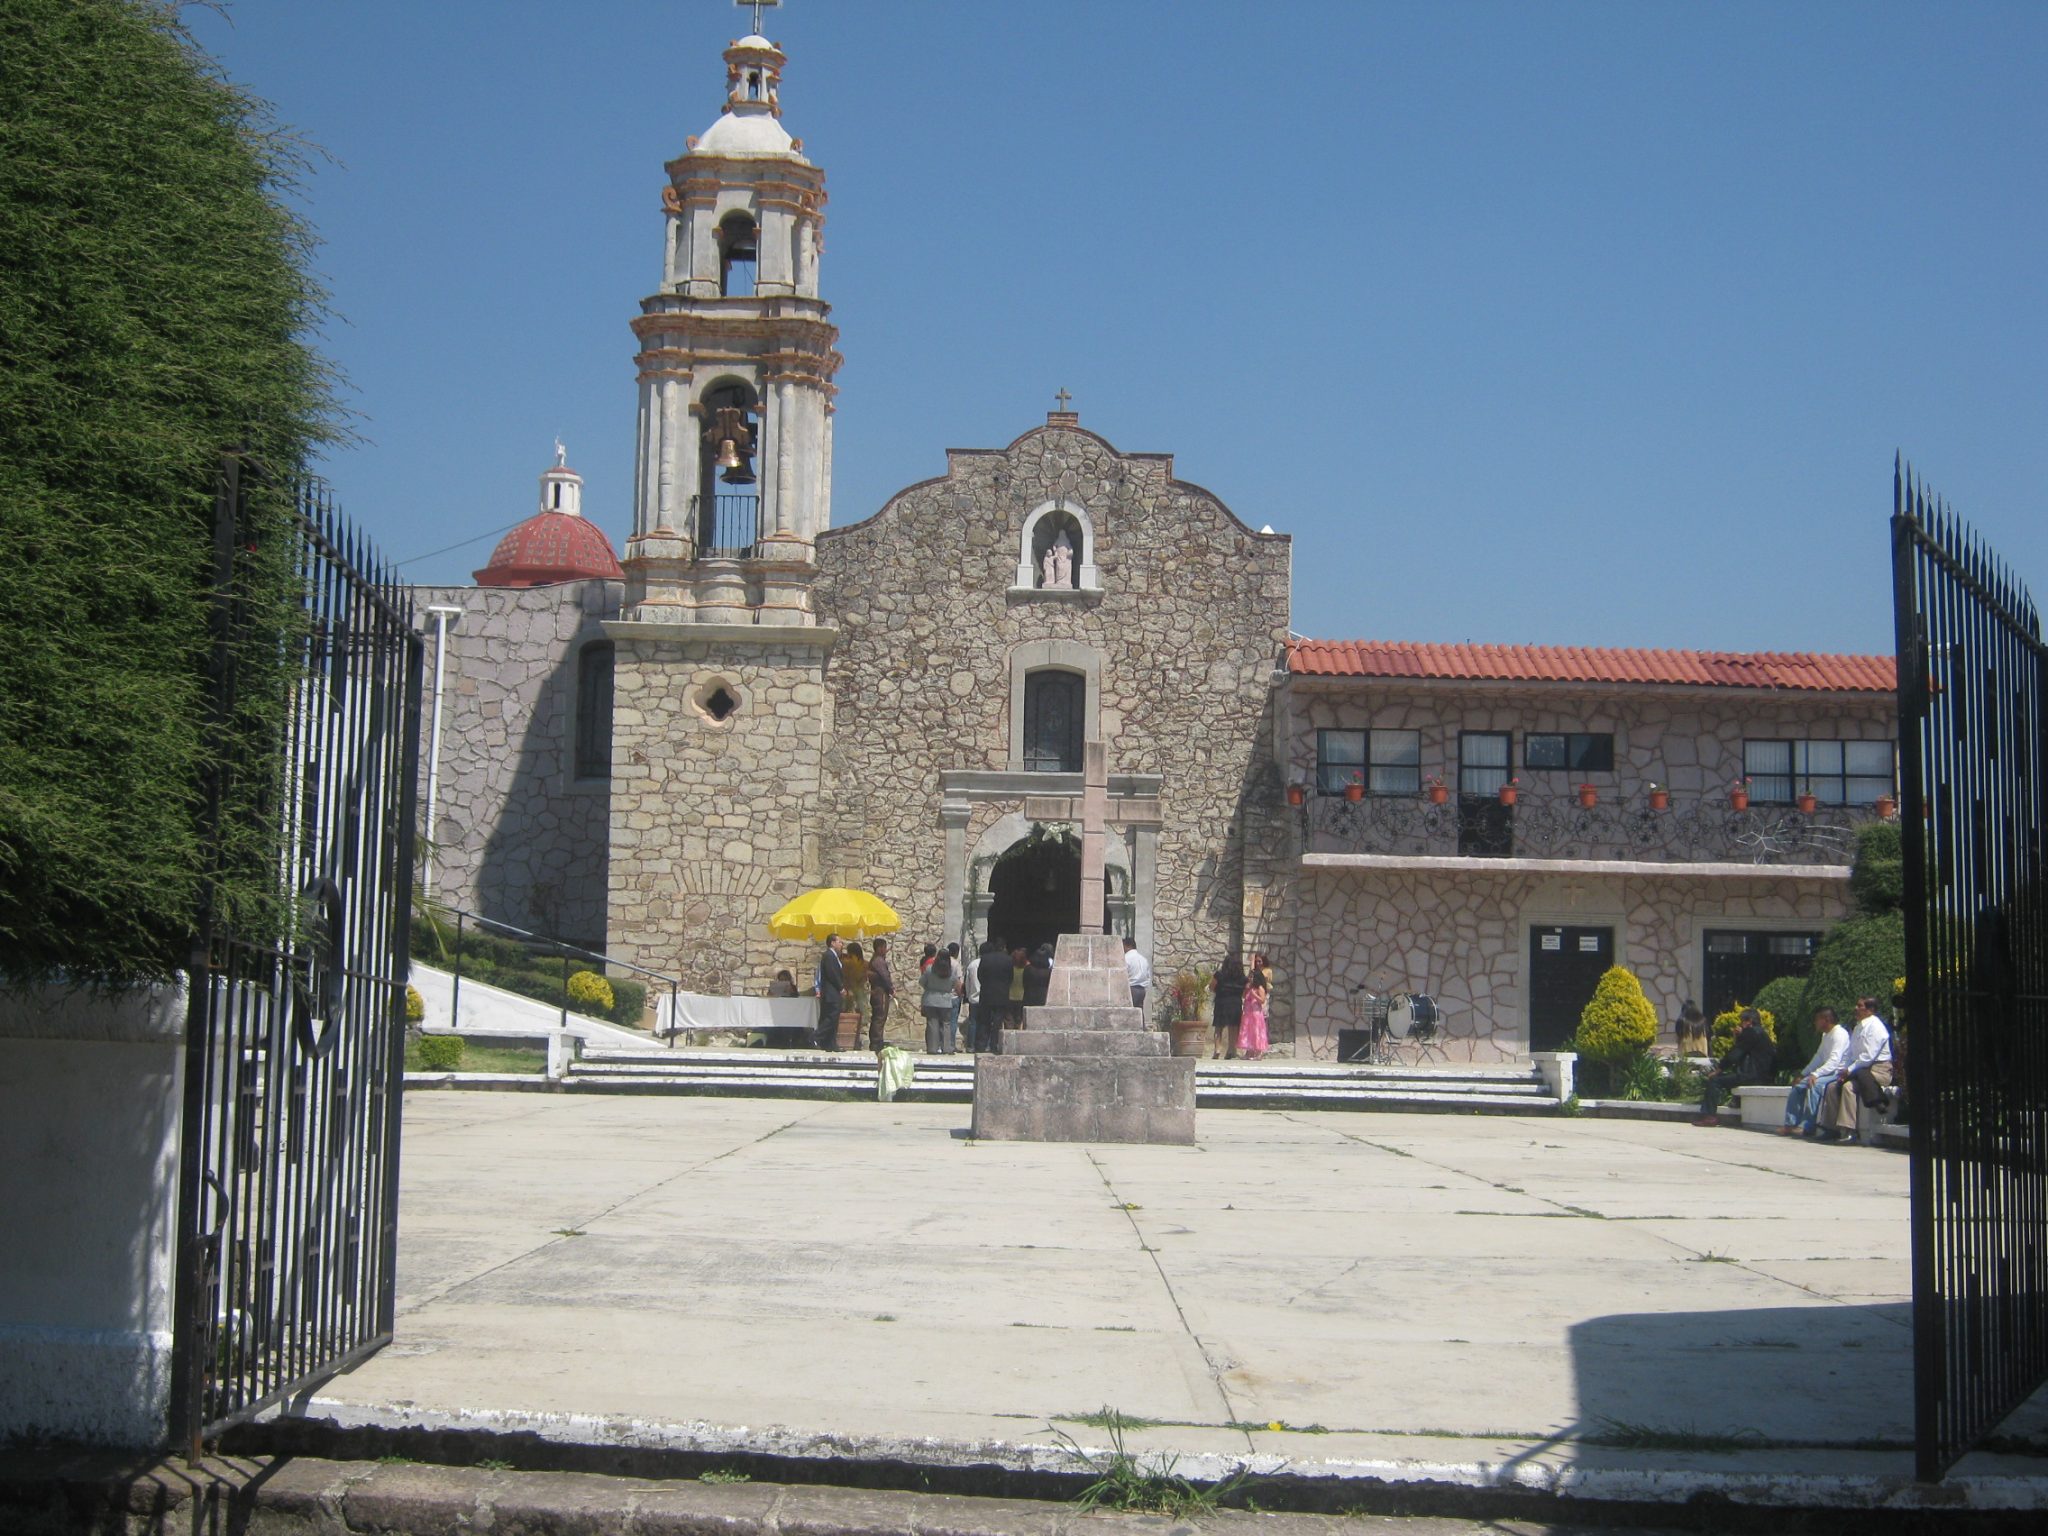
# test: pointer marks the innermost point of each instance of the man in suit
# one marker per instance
(831, 992)
(993, 971)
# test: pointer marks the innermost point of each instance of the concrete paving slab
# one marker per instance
(1488, 1298)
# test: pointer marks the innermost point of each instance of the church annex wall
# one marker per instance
(1180, 637)
(520, 838)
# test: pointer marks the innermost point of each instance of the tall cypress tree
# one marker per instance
(155, 310)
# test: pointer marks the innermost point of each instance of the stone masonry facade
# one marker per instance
(520, 837)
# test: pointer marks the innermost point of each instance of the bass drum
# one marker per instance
(1401, 1015)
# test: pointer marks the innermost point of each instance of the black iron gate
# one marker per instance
(1973, 738)
(295, 1054)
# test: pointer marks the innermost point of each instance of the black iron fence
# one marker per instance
(1973, 737)
(731, 527)
(533, 965)
(1674, 829)
(288, 1186)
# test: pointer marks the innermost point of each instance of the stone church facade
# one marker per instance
(762, 703)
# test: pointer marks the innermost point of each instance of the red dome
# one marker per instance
(550, 547)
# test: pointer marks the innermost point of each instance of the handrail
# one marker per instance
(567, 951)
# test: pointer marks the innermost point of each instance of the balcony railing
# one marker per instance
(1558, 826)
(733, 530)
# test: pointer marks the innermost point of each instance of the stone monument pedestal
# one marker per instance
(1085, 1067)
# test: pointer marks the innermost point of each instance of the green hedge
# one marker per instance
(155, 306)
(1878, 881)
(1784, 999)
(440, 1053)
(1860, 957)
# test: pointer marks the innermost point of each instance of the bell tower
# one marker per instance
(733, 478)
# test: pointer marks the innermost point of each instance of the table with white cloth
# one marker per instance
(699, 1014)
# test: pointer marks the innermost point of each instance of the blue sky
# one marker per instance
(1570, 323)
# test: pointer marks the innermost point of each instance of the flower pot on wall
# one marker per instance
(1588, 796)
(1296, 795)
(1660, 799)
(1738, 799)
(1509, 794)
(1354, 792)
(1884, 807)
(1439, 793)
(1808, 804)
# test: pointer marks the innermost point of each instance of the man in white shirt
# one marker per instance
(1802, 1104)
(1139, 970)
(1866, 1074)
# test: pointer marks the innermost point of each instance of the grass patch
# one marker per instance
(1710, 1257)
(493, 1464)
(885, 1317)
(1114, 1328)
(570, 1232)
(725, 1475)
(1137, 1485)
(1277, 1426)
(1128, 1205)
(1108, 1418)
(1623, 1435)
(484, 1058)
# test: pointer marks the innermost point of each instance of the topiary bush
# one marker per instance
(1782, 1000)
(155, 311)
(629, 1002)
(1726, 1024)
(441, 1053)
(1861, 957)
(590, 993)
(1877, 883)
(415, 1005)
(1619, 1022)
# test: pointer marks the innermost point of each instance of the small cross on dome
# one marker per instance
(758, 6)
(1062, 396)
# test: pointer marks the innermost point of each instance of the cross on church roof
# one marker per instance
(758, 6)
(1062, 396)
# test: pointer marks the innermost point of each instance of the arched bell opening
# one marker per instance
(728, 501)
(739, 255)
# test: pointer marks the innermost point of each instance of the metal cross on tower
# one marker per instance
(1062, 396)
(758, 7)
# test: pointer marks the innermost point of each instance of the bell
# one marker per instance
(739, 472)
(728, 454)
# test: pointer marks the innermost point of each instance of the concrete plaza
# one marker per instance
(1612, 1306)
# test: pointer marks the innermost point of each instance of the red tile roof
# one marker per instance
(550, 547)
(1586, 664)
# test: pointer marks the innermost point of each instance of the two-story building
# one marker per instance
(1494, 826)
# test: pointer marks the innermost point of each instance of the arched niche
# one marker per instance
(1042, 528)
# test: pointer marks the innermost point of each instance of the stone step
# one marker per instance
(1088, 989)
(1065, 1016)
(1084, 1042)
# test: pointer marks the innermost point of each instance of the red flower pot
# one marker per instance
(1439, 793)
(1509, 794)
(1354, 792)
(1808, 804)
(1660, 799)
(1738, 799)
(1296, 795)
(1588, 796)
(1884, 807)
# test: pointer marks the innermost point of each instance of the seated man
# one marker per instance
(1866, 1075)
(1750, 1059)
(1802, 1104)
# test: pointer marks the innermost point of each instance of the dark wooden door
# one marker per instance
(1565, 965)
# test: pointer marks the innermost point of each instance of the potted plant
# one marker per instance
(1589, 796)
(1355, 790)
(1884, 805)
(1437, 790)
(1809, 803)
(1510, 792)
(1296, 795)
(1738, 796)
(1181, 1009)
(1660, 797)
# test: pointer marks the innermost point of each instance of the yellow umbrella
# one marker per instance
(835, 909)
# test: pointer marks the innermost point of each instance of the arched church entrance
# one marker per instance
(1035, 892)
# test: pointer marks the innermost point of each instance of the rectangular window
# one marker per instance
(1482, 762)
(594, 711)
(1833, 772)
(1569, 752)
(1385, 762)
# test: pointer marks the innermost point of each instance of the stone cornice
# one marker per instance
(663, 632)
(1653, 869)
(970, 784)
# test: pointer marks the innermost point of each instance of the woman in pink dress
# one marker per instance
(1251, 1032)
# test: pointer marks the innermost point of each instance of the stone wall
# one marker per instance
(716, 822)
(1462, 935)
(1187, 626)
(521, 838)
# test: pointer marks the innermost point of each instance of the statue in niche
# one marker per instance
(1057, 569)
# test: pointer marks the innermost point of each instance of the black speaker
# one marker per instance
(1354, 1045)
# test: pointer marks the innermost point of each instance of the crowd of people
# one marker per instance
(970, 1002)
(1851, 1068)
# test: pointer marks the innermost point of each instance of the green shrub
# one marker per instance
(1878, 881)
(155, 311)
(1640, 1077)
(629, 1002)
(1722, 1039)
(1619, 1022)
(415, 1005)
(1860, 957)
(441, 1053)
(590, 993)
(1784, 1000)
